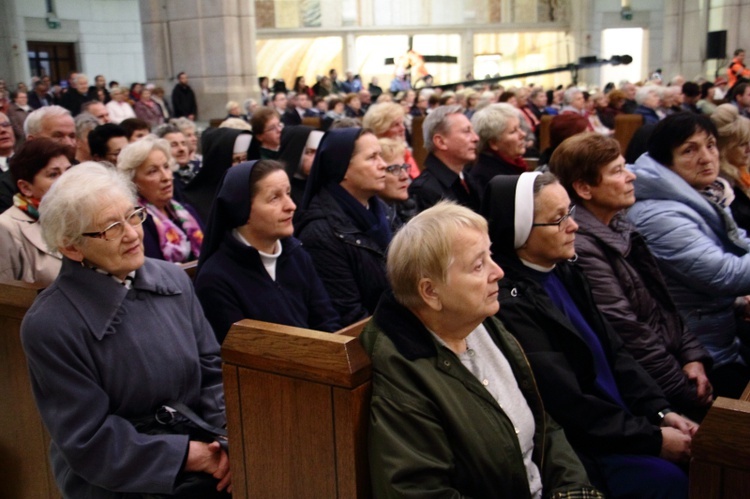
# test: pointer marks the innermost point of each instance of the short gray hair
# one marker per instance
(78, 76)
(643, 92)
(424, 248)
(164, 130)
(85, 122)
(436, 123)
(136, 153)
(491, 121)
(70, 206)
(33, 124)
(183, 124)
(570, 94)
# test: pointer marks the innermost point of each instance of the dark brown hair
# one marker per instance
(581, 157)
(260, 118)
(34, 156)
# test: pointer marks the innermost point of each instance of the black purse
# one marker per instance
(175, 418)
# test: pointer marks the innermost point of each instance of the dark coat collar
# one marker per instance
(403, 328)
(80, 284)
(440, 170)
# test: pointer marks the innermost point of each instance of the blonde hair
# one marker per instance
(733, 130)
(381, 116)
(423, 248)
(392, 148)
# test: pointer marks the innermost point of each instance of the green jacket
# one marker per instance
(435, 431)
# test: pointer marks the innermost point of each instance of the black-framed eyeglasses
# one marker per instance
(116, 229)
(559, 222)
(397, 169)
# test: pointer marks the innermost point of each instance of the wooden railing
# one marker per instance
(297, 411)
(720, 467)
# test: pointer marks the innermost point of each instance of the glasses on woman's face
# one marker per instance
(559, 223)
(397, 169)
(277, 126)
(117, 229)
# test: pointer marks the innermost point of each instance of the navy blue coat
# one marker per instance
(233, 285)
(350, 263)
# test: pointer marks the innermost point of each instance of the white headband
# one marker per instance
(524, 219)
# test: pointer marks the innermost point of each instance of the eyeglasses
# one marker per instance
(5, 124)
(117, 229)
(397, 169)
(278, 126)
(559, 223)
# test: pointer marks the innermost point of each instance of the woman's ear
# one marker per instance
(430, 294)
(582, 189)
(25, 187)
(72, 252)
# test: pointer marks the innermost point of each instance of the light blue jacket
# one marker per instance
(704, 256)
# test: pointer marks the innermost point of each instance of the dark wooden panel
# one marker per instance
(351, 416)
(287, 436)
(312, 121)
(417, 141)
(736, 483)
(724, 436)
(625, 127)
(24, 443)
(544, 124)
(705, 481)
(234, 431)
(322, 357)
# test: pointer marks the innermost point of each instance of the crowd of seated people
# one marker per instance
(590, 314)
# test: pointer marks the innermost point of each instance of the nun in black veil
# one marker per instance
(251, 266)
(613, 413)
(344, 225)
(299, 144)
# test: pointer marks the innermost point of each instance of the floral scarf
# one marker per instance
(180, 235)
(30, 206)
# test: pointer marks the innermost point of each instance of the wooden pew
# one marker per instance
(625, 127)
(417, 141)
(544, 124)
(312, 121)
(720, 466)
(297, 411)
(25, 470)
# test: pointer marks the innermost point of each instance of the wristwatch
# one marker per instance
(662, 414)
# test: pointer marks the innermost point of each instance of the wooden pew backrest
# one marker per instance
(720, 465)
(25, 470)
(296, 412)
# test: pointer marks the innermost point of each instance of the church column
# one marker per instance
(214, 43)
(13, 55)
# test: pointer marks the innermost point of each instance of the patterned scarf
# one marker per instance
(181, 241)
(30, 206)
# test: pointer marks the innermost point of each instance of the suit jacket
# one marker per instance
(437, 182)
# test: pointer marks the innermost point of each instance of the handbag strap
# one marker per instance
(175, 407)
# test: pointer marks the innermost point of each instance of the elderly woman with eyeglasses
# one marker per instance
(116, 336)
(267, 127)
(173, 230)
(400, 206)
(613, 413)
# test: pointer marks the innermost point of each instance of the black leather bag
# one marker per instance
(175, 418)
